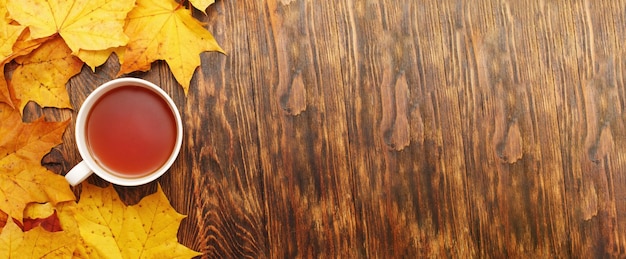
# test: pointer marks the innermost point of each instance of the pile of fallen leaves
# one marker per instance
(39, 215)
(48, 42)
(59, 36)
(98, 226)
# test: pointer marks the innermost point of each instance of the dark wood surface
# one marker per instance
(390, 129)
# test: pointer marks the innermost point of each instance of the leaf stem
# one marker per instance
(181, 4)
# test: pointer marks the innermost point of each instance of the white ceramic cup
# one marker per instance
(85, 168)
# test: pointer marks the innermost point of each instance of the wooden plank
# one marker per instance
(302, 130)
(221, 186)
(515, 179)
(394, 129)
(401, 193)
(592, 126)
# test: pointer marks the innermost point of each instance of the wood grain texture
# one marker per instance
(397, 129)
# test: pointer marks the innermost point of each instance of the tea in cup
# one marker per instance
(128, 132)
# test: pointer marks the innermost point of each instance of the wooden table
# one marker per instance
(361, 128)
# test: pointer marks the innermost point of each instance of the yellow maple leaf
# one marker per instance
(21, 46)
(145, 230)
(83, 24)
(67, 218)
(38, 210)
(25, 45)
(164, 30)
(22, 178)
(3, 10)
(8, 33)
(202, 5)
(95, 58)
(36, 243)
(41, 75)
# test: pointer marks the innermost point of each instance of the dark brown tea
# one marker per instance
(131, 131)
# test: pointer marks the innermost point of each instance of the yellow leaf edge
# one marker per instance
(178, 251)
(159, 197)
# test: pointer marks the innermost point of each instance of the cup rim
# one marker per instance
(81, 140)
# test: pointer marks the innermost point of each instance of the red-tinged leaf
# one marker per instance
(50, 223)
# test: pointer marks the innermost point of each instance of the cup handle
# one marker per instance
(79, 173)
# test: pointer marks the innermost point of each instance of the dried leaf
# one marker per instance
(49, 40)
(47, 89)
(38, 210)
(5, 96)
(145, 230)
(22, 178)
(201, 5)
(36, 243)
(163, 30)
(66, 212)
(3, 219)
(25, 45)
(41, 214)
(3, 10)
(100, 214)
(8, 34)
(95, 58)
(83, 24)
(156, 230)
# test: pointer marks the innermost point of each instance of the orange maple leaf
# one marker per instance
(163, 30)
(3, 219)
(83, 24)
(145, 230)
(40, 214)
(21, 47)
(41, 75)
(22, 177)
(5, 96)
(25, 45)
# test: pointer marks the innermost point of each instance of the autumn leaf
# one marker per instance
(41, 75)
(3, 10)
(95, 58)
(48, 42)
(3, 219)
(163, 30)
(40, 214)
(5, 96)
(39, 210)
(26, 143)
(154, 225)
(145, 230)
(67, 217)
(83, 24)
(22, 177)
(25, 45)
(36, 243)
(9, 33)
(201, 5)
(99, 215)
